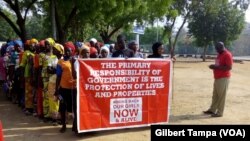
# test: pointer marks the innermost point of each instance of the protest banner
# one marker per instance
(122, 93)
(1, 132)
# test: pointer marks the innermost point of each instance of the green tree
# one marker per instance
(117, 14)
(229, 24)
(177, 10)
(20, 9)
(213, 21)
(149, 36)
(36, 27)
(72, 18)
(65, 11)
(82, 32)
(61, 16)
(6, 31)
(242, 45)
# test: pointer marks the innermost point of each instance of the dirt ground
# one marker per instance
(192, 93)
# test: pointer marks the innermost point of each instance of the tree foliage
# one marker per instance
(120, 14)
(215, 20)
(6, 31)
(20, 9)
(37, 28)
(178, 9)
(149, 36)
(242, 45)
(79, 19)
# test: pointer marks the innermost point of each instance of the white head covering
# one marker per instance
(93, 40)
(104, 48)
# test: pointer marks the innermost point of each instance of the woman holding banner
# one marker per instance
(158, 50)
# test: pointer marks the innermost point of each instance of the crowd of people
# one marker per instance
(40, 76)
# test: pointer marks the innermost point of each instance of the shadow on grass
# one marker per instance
(95, 134)
(19, 127)
(173, 119)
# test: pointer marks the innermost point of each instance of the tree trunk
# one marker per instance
(61, 36)
(21, 24)
(170, 47)
(178, 33)
(23, 36)
(61, 33)
(53, 21)
(105, 37)
(196, 52)
(61, 30)
(172, 52)
(106, 40)
(204, 54)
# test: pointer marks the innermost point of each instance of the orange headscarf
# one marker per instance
(33, 41)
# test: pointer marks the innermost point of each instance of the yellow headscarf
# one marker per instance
(51, 41)
(59, 47)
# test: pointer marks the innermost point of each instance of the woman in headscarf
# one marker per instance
(58, 50)
(104, 53)
(66, 85)
(13, 68)
(38, 60)
(93, 52)
(21, 95)
(84, 52)
(13, 50)
(27, 67)
(70, 46)
(48, 69)
(78, 46)
(157, 50)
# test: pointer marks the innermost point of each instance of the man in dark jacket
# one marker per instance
(122, 51)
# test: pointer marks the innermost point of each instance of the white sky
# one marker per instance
(179, 20)
(247, 18)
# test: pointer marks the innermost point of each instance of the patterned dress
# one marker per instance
(53, 105)
(27, 63)
(39, 88)
(48, 61)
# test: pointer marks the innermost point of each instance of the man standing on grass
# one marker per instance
(221, 70)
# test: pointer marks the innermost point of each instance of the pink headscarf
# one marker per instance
(93, 50)
(42, 43)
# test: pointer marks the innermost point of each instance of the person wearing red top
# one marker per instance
(221, 69)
